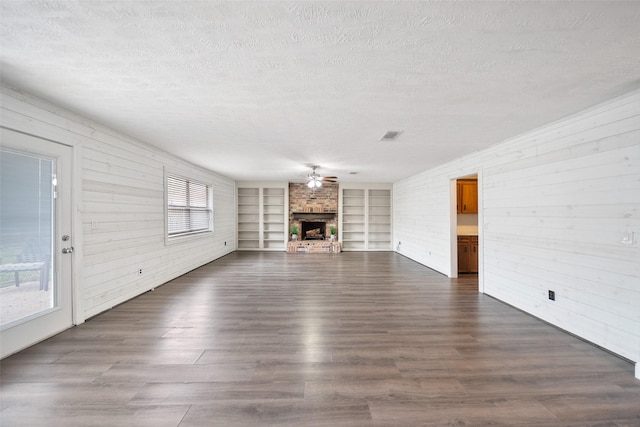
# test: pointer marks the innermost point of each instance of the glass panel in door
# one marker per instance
(27, 185)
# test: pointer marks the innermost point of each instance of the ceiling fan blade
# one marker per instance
(313, 176)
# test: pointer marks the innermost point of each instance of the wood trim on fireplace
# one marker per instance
(313, 215)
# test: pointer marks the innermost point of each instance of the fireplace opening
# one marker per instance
(313, 230)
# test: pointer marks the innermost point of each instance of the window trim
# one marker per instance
(173, 238)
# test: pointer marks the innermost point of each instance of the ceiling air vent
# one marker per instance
(391, 135)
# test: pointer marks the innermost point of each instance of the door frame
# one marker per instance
(453, 230)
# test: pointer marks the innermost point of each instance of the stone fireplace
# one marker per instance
(314, 213)
(308, 207)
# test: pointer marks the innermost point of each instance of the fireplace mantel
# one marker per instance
(313, 216)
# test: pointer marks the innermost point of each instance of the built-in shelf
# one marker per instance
(262, 218)
(366, 219)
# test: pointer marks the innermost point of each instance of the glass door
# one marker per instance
(35, 240)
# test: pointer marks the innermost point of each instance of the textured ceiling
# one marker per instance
(258, 90)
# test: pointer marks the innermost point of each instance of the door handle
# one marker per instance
(67, 250)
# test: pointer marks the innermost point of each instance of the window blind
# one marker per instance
(189, 206)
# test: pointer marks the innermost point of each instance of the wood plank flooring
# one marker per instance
(351, 339)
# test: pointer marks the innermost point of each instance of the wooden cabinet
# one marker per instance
(473, 254)
(467, 254)
(463, 254)
(467, 196)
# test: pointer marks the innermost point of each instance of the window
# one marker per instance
(189, 206)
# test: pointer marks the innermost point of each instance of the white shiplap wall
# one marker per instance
(119, 207)
(555, 205)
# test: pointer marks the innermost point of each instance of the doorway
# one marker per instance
(466, 223)
(35, 240)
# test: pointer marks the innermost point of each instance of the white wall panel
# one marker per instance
(119, 200)
(556, 203)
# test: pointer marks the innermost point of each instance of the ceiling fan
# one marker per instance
(315, 181)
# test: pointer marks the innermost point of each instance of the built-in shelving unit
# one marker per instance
(274, 235)
(248, 218)
(262, 217)
(353, 219)
(365, 218)
(379, 219)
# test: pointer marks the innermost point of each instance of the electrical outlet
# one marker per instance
(225, 243)
(552, 295)
(140, 272)
(627, 238)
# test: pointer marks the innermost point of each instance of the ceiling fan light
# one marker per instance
(314, 183)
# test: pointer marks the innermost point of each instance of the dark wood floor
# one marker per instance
(352, 339)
